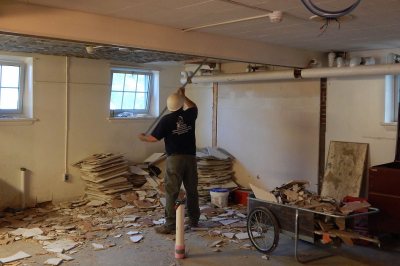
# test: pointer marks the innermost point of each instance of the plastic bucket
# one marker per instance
(240, 196)
(219, 197)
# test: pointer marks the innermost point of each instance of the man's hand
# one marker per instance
(142, 137)
(147, 138)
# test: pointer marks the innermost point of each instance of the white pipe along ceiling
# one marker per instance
(327, 72)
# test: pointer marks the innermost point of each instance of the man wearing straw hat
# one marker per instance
(178, 131)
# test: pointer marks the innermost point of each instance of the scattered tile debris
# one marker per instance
(100, 217)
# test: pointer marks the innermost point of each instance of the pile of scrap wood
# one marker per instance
(105, 175)
(214, 168)
(295, 193)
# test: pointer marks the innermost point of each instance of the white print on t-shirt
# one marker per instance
(181, 127)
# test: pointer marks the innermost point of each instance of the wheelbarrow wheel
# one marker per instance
(263, 229)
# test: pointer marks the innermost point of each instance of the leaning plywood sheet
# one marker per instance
(345, 168)
(263, 194)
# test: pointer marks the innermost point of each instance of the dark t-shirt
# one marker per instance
(178, 131)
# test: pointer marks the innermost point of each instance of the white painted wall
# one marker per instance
(272, 129)
(40, 146)
(355, 111)
(202, 94)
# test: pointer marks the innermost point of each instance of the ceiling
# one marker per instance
(372, 25)
(375, 24)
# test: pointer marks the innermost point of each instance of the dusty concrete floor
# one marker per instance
(157, 249)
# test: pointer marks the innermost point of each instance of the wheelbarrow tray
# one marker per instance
(286, 217)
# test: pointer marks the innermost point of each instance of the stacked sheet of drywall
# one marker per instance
(214, 168)
(105, 175)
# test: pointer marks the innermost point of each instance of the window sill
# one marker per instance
(389, 124)
(17, 121)
(139, 117)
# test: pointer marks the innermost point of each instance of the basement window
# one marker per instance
(392, 98)
(132, 91)
(11, 88)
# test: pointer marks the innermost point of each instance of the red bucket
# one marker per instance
(240, 196)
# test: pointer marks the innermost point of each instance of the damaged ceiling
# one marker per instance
(28, 44)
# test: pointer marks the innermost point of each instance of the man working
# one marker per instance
(178, 131)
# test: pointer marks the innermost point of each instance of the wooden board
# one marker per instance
(345, 168)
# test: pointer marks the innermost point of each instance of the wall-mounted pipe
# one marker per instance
(238, 77)
(23, 186)
(327, 72)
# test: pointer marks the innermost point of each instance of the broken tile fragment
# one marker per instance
(96, 203)
(17, 256)
(136, 238)
(27, 233)
(53, 261)
(229, 235)
(215, 243)
(159, 221)
(97, 246)
(116, 203)
(83, 217)
(242, 236)
(130, 218)
(64, 257)
(246, 246)
(229, 221)
(132, 233)
(59, 246)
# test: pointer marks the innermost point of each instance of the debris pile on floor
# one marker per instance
(69, 227)
(105, 175)
(214, 168)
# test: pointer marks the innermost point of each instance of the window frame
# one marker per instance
(21, 87)
(136, 71)
(396, 97)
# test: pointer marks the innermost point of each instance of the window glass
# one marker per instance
(140, 101)
(130, 82)
(118, 81)
(129, 100)
(10, 76)
(9, 98)
(116, 100)
(11, 87)
(130, 92)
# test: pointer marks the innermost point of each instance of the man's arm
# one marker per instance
(147, 138)
(187, 102)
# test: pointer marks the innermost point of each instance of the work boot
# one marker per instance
(163, 229)
(193, 223)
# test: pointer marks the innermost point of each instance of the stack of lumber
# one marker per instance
(105, 175)
(214, 168)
